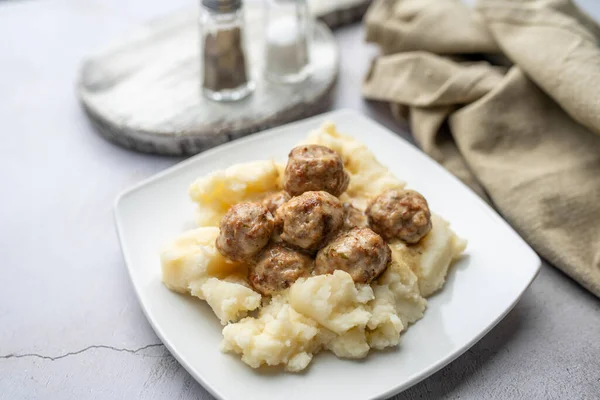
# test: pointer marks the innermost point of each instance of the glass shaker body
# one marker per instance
(288, 35)
(224, 66)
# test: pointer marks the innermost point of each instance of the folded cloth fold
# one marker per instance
(525, 138)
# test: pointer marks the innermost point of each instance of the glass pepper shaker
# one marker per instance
(224, 67)
(287, 40)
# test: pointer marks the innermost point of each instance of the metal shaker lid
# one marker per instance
(222, 5)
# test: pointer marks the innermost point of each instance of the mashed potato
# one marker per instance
(215, 193)
(431, 257)
(384, 325)
(229, 300)
(280, 335)
(193, 257)
(323, 312)
(403, 283)
(333, 301)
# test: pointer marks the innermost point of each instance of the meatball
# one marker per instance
(360, 252)
(276, 200)
(313, 168)
(354, 218)
(277, 267)
(244, 230)
(402, 214)
(308, 221)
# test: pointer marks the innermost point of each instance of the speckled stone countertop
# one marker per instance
(70, 324)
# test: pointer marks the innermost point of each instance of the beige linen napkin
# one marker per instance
(527, 136)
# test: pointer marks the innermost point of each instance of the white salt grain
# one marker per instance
(286, 47)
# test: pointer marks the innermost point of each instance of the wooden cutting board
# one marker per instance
(142, 92)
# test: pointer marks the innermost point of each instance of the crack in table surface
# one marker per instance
(73, 353)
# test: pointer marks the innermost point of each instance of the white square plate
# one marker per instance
(481, 288)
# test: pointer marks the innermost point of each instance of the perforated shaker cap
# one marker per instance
(222, 5)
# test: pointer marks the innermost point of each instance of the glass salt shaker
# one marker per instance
(224, 65)
(287, 40)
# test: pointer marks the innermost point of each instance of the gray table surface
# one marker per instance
(70, 324)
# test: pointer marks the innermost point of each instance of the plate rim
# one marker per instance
(413, 379)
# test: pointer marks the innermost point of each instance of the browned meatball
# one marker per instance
(312, 168)
(277, 267)
(360, 252)
(402, 214)
(276, 200)
(308, 221)
(245, 230)
(354, 218)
